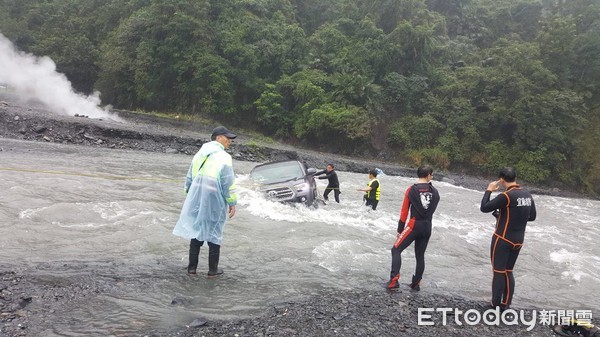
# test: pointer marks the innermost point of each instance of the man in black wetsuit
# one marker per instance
(512, 208)
(421, 199)
(333, 185)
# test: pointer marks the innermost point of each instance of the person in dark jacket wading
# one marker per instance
(333, 185)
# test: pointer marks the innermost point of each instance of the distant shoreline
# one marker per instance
(155, 134)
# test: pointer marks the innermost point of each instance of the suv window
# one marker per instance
(277, 172)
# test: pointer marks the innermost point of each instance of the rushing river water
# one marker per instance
(111, 213)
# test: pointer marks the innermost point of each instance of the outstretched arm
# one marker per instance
(318, 173)
(327, 175)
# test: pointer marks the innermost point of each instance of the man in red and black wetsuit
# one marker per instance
(512, 208)
(421, 199)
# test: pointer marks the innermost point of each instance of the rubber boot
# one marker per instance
(415, 284)
(193, 258)
(393, 283)
(213, 261)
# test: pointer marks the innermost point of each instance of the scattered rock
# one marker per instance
(198, 322)
(25, 301)
(40, 129)
(180, 301)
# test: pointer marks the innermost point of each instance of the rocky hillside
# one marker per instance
(136, 131)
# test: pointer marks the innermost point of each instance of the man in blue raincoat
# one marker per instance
(211, 196)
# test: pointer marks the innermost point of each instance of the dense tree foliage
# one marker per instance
(463, 84)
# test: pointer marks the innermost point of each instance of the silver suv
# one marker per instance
(287, 181)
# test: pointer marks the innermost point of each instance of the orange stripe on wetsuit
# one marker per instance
(515, 245)
(507, 280)
(403, 215)
(507, 288)
(405, 206)
(507, 214)
(516, 208)
(502, 237)
(407, 230)
(506, 222)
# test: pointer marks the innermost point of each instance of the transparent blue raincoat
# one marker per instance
(210, 186)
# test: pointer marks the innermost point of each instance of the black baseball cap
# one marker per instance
(221, 130)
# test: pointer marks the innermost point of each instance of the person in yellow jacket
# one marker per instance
(372, 191)
(210, 196)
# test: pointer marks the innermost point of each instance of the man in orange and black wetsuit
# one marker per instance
(512, 208)
(421, 199)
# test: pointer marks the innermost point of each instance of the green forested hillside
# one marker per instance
(463, 84)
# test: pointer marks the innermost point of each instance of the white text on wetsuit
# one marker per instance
(523, 202)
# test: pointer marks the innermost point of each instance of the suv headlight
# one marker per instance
(300, 187)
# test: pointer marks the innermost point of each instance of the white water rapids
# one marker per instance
(88, 207)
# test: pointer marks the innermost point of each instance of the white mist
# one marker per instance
(36, 78)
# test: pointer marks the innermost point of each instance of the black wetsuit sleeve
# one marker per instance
(434, 201)
(319, 173)
(532, 212)
(488, 205)
(326, 176)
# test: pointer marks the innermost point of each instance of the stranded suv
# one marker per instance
(287, 181)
